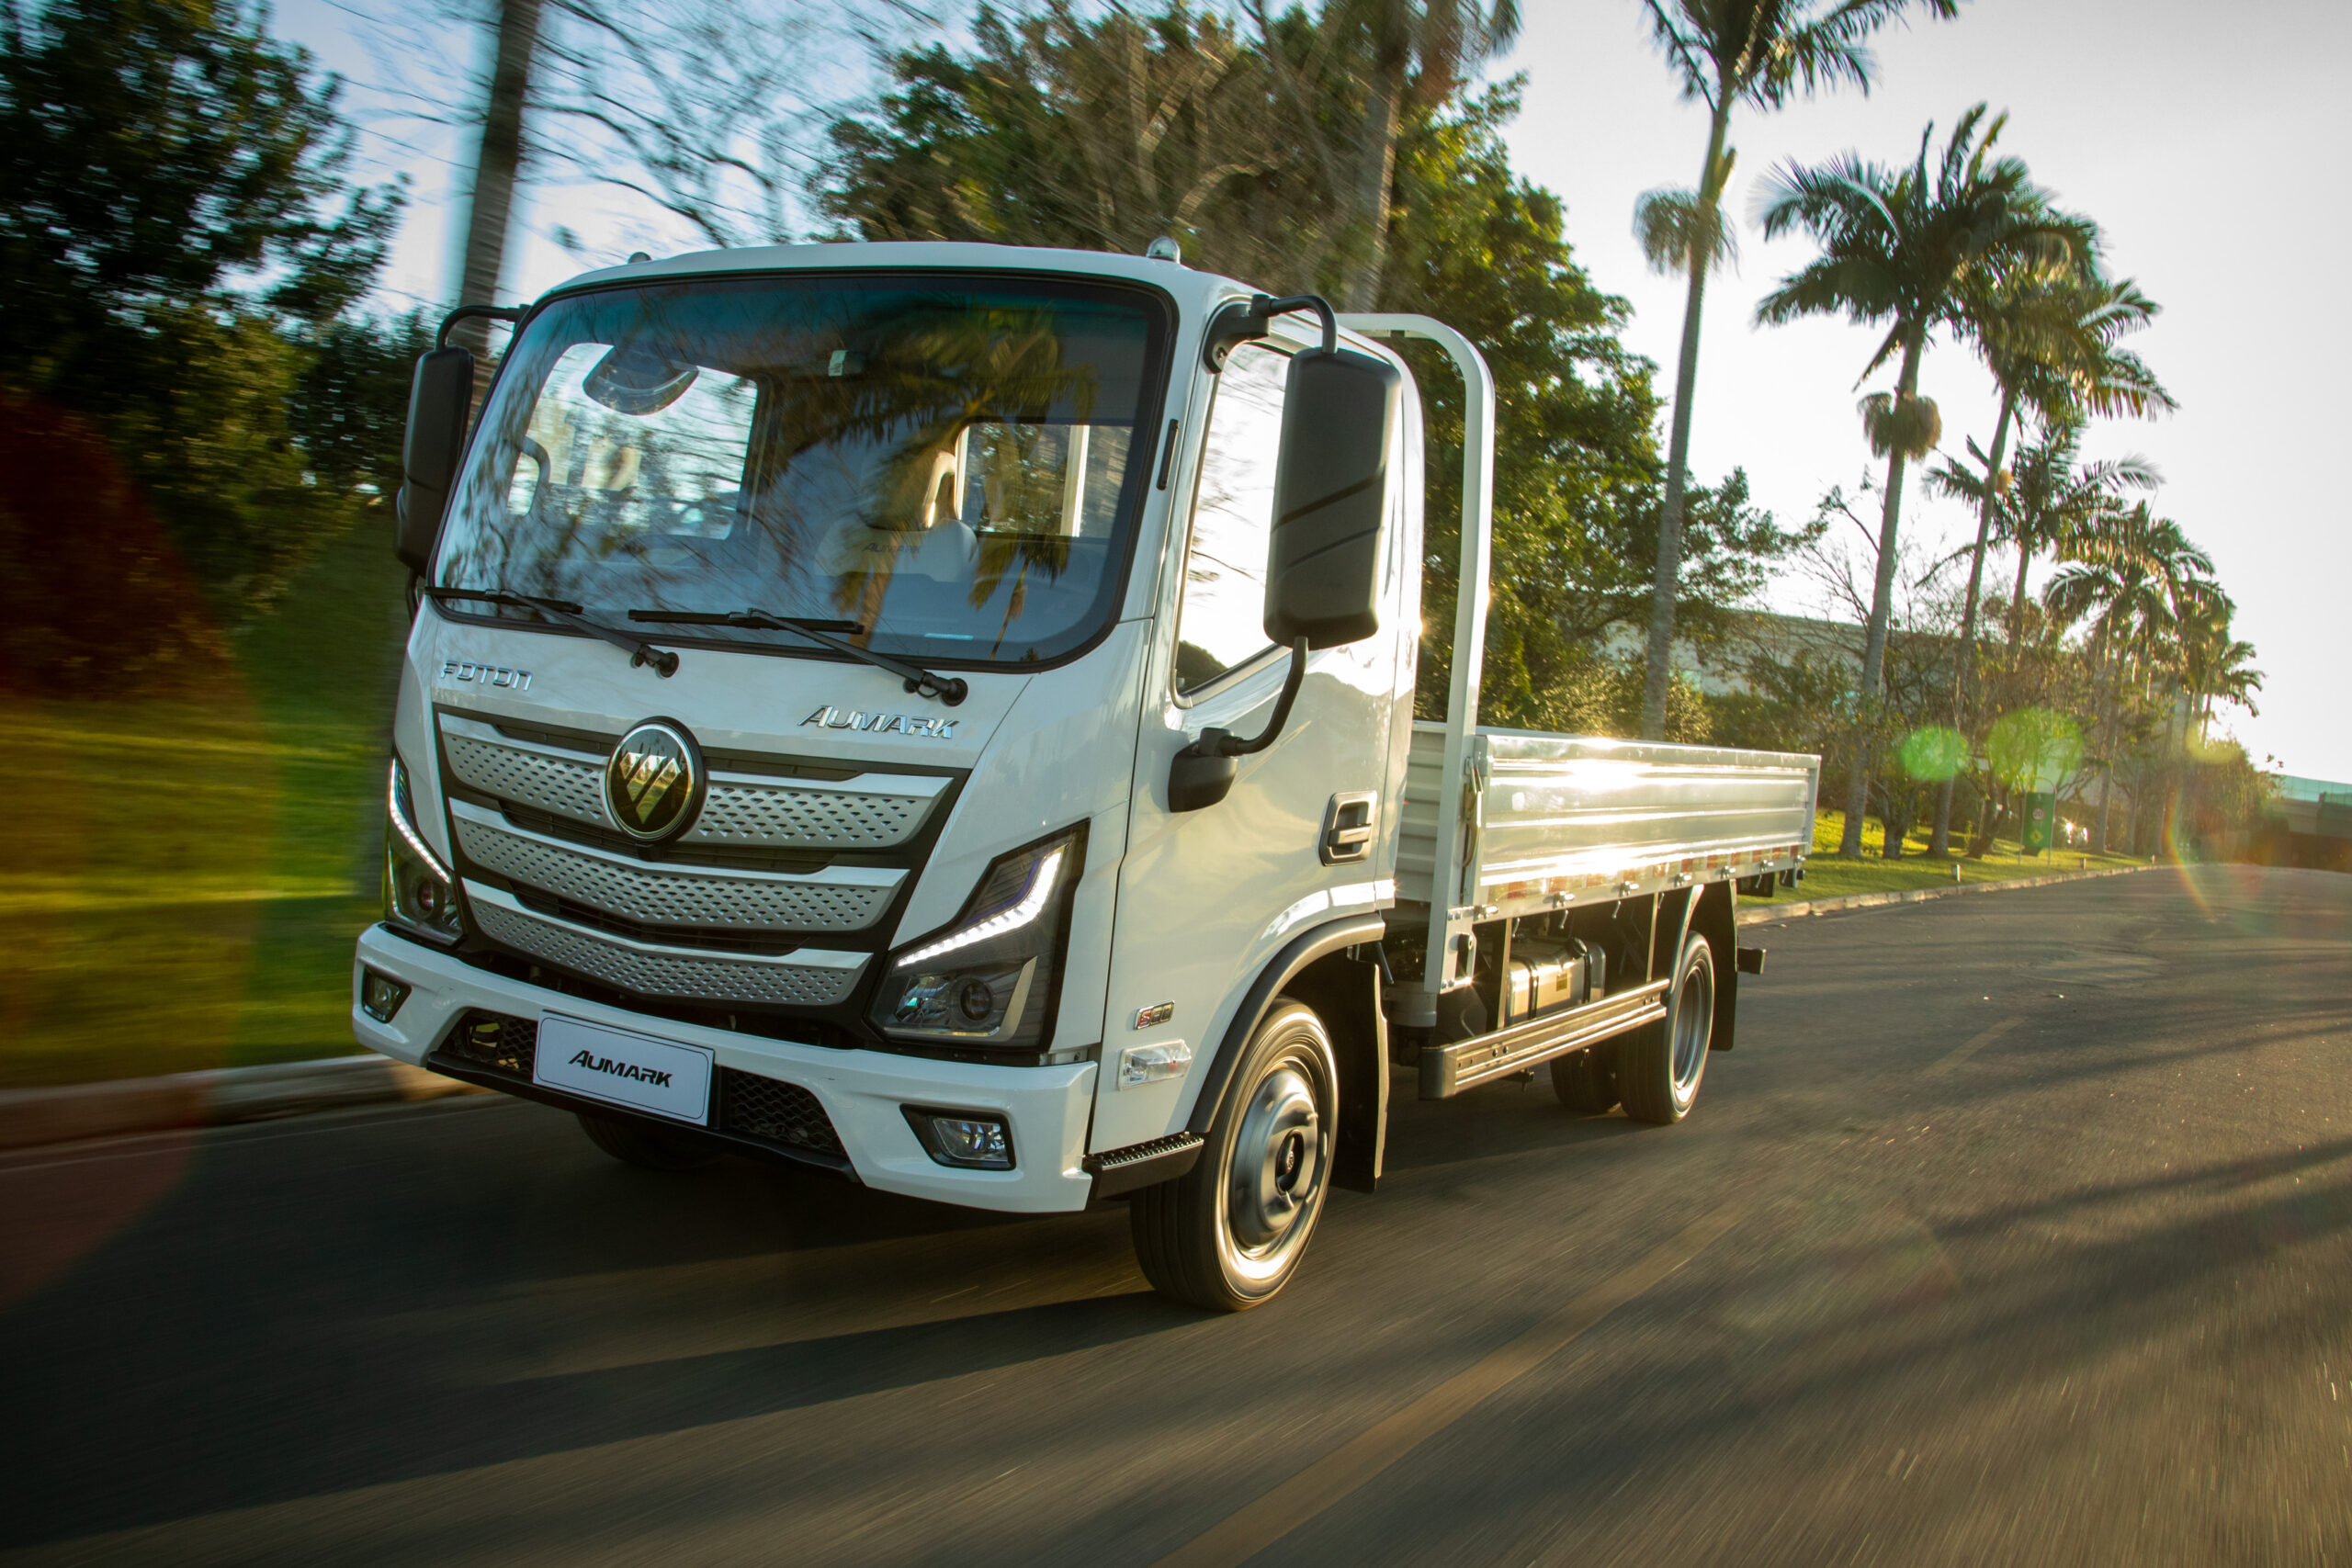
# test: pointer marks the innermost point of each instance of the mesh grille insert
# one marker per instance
(492, 1040)
(663, 896)
(650, 972)
(776, 1112)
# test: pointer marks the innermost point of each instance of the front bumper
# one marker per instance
(861, 1091)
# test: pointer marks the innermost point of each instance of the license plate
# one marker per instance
(624, 1068)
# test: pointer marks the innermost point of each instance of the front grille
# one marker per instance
(844, 899)
(776, 1112)
(872, 812)
(495, 1040)
(808, 977)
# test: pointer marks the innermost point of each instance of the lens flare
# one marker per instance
(1933, 753)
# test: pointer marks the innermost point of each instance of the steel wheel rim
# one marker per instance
(1274, 1176)
(1694, 1025)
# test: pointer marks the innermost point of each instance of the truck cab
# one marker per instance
(944, 714)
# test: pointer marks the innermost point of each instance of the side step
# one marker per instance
(1142, 1165)
(1447, 1070)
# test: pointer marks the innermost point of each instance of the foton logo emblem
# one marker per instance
(653, 783)
(882, 723)
(630, 1070)
(488, 674)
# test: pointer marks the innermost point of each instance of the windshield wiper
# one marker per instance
(565, 613)
(948, 689)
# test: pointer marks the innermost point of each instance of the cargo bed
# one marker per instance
(1551, 820)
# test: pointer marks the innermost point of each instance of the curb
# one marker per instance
(1761, 913)
(31, 1117)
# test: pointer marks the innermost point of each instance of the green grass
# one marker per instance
(188, 895)
(1829, 877)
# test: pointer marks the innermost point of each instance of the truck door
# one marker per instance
(1206, 896)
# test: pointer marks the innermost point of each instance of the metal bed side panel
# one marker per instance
(1560, 817)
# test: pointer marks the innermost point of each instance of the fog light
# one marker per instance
(962, 1138)
(381, 996)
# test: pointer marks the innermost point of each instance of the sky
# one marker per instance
(2197, 135)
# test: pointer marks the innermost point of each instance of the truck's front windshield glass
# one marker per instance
(950, 464)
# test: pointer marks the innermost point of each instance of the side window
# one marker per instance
(1220, 618)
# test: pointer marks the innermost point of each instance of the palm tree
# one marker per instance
(2145, 587)
(2128, 614)
(1758, 52)
(2058, 503)
(1900, 246)
(2050, 342)
(2216, 664)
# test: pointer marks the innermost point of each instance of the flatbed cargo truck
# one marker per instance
(945, 714)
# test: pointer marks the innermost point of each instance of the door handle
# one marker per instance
(1347, 825)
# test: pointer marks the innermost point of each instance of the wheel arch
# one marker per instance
(1314, 968)
(1710, 910)
(1716, 917)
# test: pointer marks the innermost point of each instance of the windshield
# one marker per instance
(950, 466)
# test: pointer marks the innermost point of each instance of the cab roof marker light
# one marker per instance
(1033, 904)
(396, 807)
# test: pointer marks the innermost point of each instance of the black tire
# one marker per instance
(1586, 1080)
(1660, 1067)
(1229, 1233)
(645, 1144)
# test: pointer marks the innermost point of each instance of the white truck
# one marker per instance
(945, 714)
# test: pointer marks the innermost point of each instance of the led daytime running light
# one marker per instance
(397, 808)
(1033, 904)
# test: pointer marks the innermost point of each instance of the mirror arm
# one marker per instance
(507, 314)
(1223, 743)
(1238, 323)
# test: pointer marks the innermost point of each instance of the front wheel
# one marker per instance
(1659, 1066)
(1229, 1233)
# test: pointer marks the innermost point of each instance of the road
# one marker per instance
(2017, 1230)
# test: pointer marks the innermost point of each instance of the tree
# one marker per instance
(709, 111)
(1898, 246)
(349, 404)
(1098, 133)
(498, 162)
(1758, 52)
(2050, 342)
(2056, 501)
(2141, 583)
(1414, 58)
(2219, 667)
(175, 233)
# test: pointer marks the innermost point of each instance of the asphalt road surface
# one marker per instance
(2017, 1230)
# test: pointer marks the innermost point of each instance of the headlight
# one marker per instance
(991, 978)
(420, 894)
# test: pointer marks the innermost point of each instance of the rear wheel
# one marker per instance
(643, 1144)
(1586, 1080)
(1229, 1233)
(1659, 1067)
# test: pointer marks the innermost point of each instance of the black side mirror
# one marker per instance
(438, 399)
(1339, 419)
(1199, 778)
